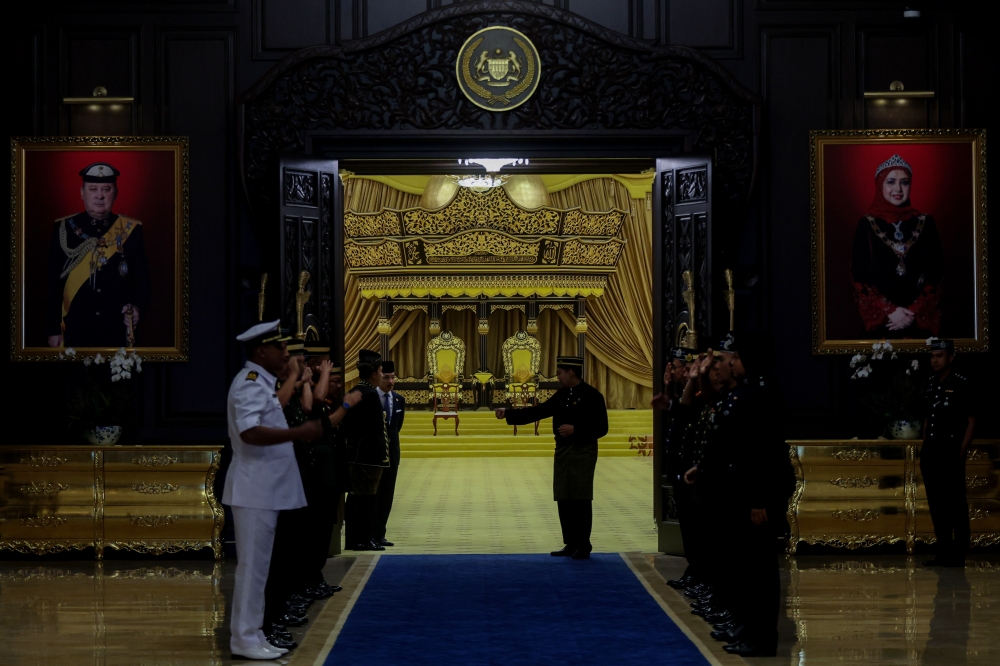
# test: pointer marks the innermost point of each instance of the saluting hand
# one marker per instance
(706, 362)
(500, 412)
(325, 367)
(660, 401)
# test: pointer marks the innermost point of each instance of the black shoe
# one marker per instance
(279, 633)
(724, 626)
(290, 620)
(383, 542)
(732, 635)
(362, 546)
(565, 552)
(581, 554)
(680, 583)
(332, 588)
(299, 600)
(317, 592)
(748, 648)
(696, 591)
(280, 642)
(720, 616)
(373, 545)
(702, 611)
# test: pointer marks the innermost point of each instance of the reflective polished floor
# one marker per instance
(890, 609)
(846, 608)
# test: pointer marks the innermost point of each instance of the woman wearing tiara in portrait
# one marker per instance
(897, 262)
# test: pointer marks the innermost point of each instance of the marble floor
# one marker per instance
(848, 608)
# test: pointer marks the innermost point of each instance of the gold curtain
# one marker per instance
(619, 359)
(619, 355)
(361, 315)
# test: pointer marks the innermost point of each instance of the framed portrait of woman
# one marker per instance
(899, 247)
(99, 246)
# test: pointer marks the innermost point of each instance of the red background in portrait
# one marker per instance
(146, 191)
(942, 187)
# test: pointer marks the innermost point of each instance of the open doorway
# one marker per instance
(396, 286)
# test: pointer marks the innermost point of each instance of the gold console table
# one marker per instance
(147, 499)
(858, 493)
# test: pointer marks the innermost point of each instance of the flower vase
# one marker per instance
(904, 429)
(103, 435)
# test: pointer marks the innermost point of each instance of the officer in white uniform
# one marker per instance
(263, 479)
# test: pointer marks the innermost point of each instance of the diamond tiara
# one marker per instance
(893, 162)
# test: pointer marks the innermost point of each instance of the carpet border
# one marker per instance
(675, 607)
(319, 641)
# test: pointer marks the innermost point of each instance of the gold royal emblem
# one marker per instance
(498, 68)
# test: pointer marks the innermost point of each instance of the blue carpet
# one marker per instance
(508, 609)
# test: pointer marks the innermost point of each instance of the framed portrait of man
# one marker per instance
(899, 246)
(99, 246)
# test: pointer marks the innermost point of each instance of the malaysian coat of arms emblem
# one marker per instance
(498, 68)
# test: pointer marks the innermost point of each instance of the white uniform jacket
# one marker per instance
(260, 477)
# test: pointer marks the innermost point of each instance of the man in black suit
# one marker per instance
(394, 407)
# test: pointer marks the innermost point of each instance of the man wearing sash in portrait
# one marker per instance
(99, 283)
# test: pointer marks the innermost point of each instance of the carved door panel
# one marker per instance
(311, 211)
(682, 244)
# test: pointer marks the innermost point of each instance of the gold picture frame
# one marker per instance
(152, 194)
(948, 185)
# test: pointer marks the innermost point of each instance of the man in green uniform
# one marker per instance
(579, 419)
(949, 426)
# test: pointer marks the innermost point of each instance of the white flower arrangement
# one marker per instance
(123, 363)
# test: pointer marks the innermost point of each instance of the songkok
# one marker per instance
(336, 369)
(682, 354)
(263, 333)
(388, 366)
(367, 362)
(100, 172)
(297, 348)
(315, 349)
(944, 345)
(894, 162)
(572, 362)
(727, 343)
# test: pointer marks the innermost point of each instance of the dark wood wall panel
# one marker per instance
(800, 81)
(384, 14)
(908, 55)
(714, 26)
(196, 75)
(613, 14)
(283, 26)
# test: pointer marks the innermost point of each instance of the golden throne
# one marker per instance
(521, 356)
(445, 361)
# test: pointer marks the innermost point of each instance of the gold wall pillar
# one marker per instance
(384, 327)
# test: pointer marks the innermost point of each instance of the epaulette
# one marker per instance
(252, 376)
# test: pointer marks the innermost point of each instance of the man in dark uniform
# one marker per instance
(98, 275)
(949, 425)
(367, 454)
(764, 500)
(394, 407)
(579, 419)
(679, 417)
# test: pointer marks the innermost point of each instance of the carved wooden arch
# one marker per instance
(593, 79)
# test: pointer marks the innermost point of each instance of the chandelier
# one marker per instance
(480, 183)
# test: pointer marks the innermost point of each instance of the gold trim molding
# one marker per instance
(474, 286)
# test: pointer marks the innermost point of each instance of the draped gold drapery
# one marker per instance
(620, 323)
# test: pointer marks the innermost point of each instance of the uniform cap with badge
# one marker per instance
(100, 172)
(936, 344)
(264, 333)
